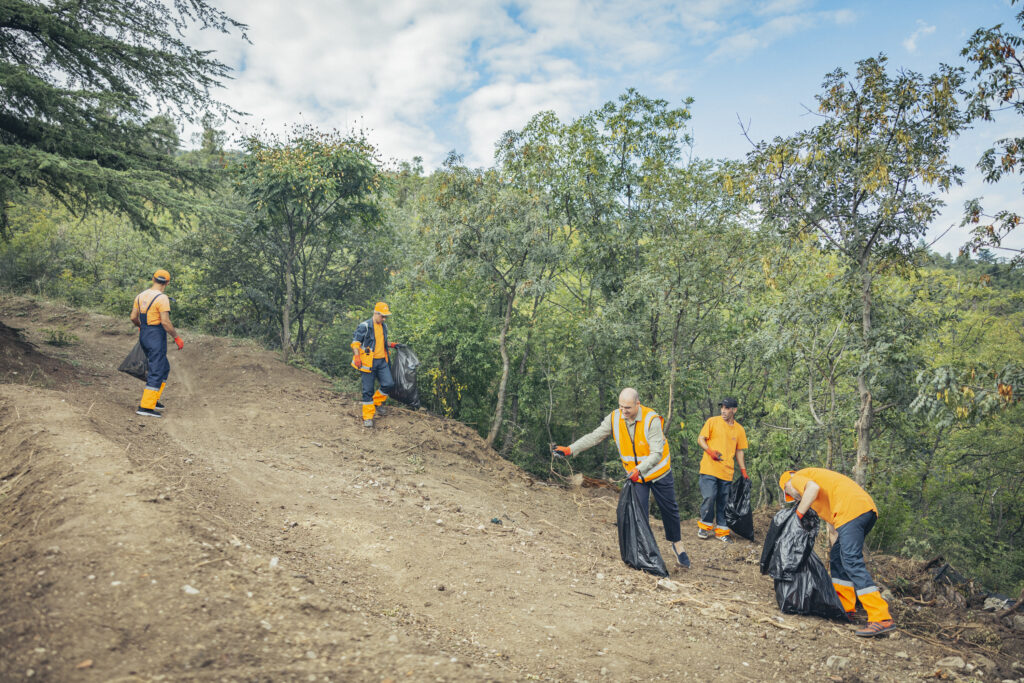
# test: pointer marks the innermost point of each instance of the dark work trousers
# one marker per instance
(664, 490)
(715, 492)
(381, 371)
(153, 339)
(846, 559)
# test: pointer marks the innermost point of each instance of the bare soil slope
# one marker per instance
(257, 532)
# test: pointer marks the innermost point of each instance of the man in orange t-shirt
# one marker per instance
(850, 512)
(722, 438)
(151, 313)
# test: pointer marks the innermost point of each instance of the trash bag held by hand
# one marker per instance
(403, 369)
(802, 586)
(636, 540)
(738, 514)
(135, 363)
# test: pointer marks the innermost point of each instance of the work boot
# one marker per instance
(725, 539)
(703, 534)
(147, 412)
(159, 406)
(381, 411)
(876, 628)
(368, 424)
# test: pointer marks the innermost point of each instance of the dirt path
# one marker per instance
(257, 532)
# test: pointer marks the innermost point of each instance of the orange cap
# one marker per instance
(782, 485)
(382, 308)
(162, 276)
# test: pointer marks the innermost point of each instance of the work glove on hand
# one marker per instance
(357, 361)
(743, 471)
(181, 344)
(714, 455)
(806, 520)
(562, 451)
(634, 474)
(392, 345)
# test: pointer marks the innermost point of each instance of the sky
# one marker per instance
(428, 77)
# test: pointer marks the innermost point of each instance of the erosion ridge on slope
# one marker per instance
(259, 533)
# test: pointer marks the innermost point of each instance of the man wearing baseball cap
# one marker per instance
(370, 356)
(723, 440)
(151, 313)
(850, 513)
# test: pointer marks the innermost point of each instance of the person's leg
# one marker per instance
(721, 501)
(664, 491)
(851, 539)
(840, 579)
(708, 491)
(156, 357)
(383, 373)
(369, 409)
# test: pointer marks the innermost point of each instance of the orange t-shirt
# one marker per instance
(726, 439)
(379, 349)
(839, 500)
(143, 300)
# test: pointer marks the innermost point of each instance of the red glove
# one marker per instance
(392, 345)
(799, 515)
(181, 344)
(634, 474)
(743, 471)
(714, 455)
(562, 451)
(357, 361)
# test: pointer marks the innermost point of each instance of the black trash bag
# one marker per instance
(802, 585)
(636, 540)
(135, 363)
(403, 370)
(738, 514)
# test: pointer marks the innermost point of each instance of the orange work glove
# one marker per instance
(357, 361)
(392, 345)
(562, 451)
(743, 471)
(181, 344)
(634, 474)
(714, 455)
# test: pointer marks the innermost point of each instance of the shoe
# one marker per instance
(159, 406)
(725, 539)
(876, 628)
(368, 423)
(148, 412)
(681, 557)
(703, 534)
(381, 411)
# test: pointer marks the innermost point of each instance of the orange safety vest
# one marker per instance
(633, 450)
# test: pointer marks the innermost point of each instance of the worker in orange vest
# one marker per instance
(151, 313)
(644, 454)
(850, 513)
(370, 356)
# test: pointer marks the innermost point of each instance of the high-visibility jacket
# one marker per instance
(634, 449)
(364, 341)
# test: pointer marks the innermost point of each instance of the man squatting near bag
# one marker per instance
(151, 313)
(645, 457)
(850, 513)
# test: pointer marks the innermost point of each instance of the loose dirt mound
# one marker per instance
(257, 532)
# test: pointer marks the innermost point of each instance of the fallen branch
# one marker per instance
(1006, 612)
(559, 528)
(219, 559)
(769, 620)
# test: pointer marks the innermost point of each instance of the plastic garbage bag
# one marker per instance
(403, 370)
(802, 585)
(738, 514)
(135, 363)
(636, 540)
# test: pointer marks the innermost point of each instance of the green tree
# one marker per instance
(999, 85)
(865, 183)
(314, 220)
(80, 83)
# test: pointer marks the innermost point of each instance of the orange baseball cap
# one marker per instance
(162, 276)
(382, 308)
(782, 485)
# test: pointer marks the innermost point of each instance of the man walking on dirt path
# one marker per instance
(723, 440)
(645, 457)
(850, 513)
(151, 313)
(370, 356)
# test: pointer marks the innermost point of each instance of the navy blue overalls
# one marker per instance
(153, 339)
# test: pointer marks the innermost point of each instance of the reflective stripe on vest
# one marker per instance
(633, 450)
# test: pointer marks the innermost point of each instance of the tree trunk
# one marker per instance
(286, 311)
(503, 384)
(867, 413)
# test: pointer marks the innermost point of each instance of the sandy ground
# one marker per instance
(259, 533)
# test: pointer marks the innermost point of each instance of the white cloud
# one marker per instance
(923, 29)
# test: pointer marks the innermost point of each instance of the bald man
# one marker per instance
(645, 457)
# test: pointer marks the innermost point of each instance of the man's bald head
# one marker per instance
(629, 403)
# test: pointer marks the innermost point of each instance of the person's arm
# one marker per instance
(741, 462)
(703, 443)
(656, 440)
(603, 431)
(134, 317)
(806, 498)
(165, 320)
(357, 344)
